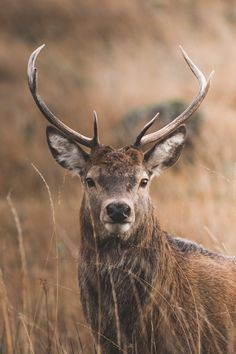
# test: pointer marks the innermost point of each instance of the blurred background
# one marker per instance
(122, 59)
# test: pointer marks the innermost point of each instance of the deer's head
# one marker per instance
(116, 181)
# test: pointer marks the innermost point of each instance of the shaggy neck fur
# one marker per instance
(117, 279)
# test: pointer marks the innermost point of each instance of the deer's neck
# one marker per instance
(146, 247)
(130, 270)
(145, 232)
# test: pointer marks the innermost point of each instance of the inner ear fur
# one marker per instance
(65, 151)
(165, 153)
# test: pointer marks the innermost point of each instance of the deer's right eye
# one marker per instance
(90, 182)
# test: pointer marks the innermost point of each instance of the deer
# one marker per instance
(142, 289)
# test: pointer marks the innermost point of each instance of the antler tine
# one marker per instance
(145, 128)
(183, 117)
(32, 80)
(95, 129)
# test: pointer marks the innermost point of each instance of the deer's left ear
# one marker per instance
(165, 154)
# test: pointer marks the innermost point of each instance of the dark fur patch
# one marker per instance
(187, 247)
(126, 156)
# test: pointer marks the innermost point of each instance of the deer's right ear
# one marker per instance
(65, 151)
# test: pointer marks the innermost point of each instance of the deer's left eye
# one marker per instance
(143, 182)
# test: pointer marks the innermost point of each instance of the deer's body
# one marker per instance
(178, 299)
(142, 290)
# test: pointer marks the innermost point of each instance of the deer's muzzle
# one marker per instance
(117, 216)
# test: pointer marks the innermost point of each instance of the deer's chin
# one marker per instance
(118, 228)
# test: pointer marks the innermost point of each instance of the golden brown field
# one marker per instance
(113, 57)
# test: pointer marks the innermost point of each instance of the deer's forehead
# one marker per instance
(116, 181)
(119, 173)
(116, 162)
(112, 167)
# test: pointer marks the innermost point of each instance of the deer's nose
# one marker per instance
(118, 212)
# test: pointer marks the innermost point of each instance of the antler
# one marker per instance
(162, 133)
(32, 80)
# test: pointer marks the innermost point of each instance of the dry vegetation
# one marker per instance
(112, 56)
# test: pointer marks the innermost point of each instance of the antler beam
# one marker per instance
(32, 80)
(162, 133)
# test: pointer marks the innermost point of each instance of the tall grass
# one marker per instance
(113, 58)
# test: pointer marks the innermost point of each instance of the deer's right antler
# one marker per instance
(162, 133)
(70, 133)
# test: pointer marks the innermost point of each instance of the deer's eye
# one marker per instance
(90, 182)
(143, 182)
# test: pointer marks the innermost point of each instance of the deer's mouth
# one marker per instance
(117, 227)
(119, 223)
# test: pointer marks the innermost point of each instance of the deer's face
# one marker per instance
(116, 182)
(116, 189)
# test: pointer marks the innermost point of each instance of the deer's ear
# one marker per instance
(165, 154)
(65, 151)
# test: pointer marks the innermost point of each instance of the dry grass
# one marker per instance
(111, 57)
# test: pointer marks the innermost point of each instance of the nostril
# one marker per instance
(111, 209)
(118, 212)
(126, 210)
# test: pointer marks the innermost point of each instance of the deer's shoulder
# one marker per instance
(187, 247)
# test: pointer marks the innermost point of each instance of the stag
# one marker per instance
(142, 289)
